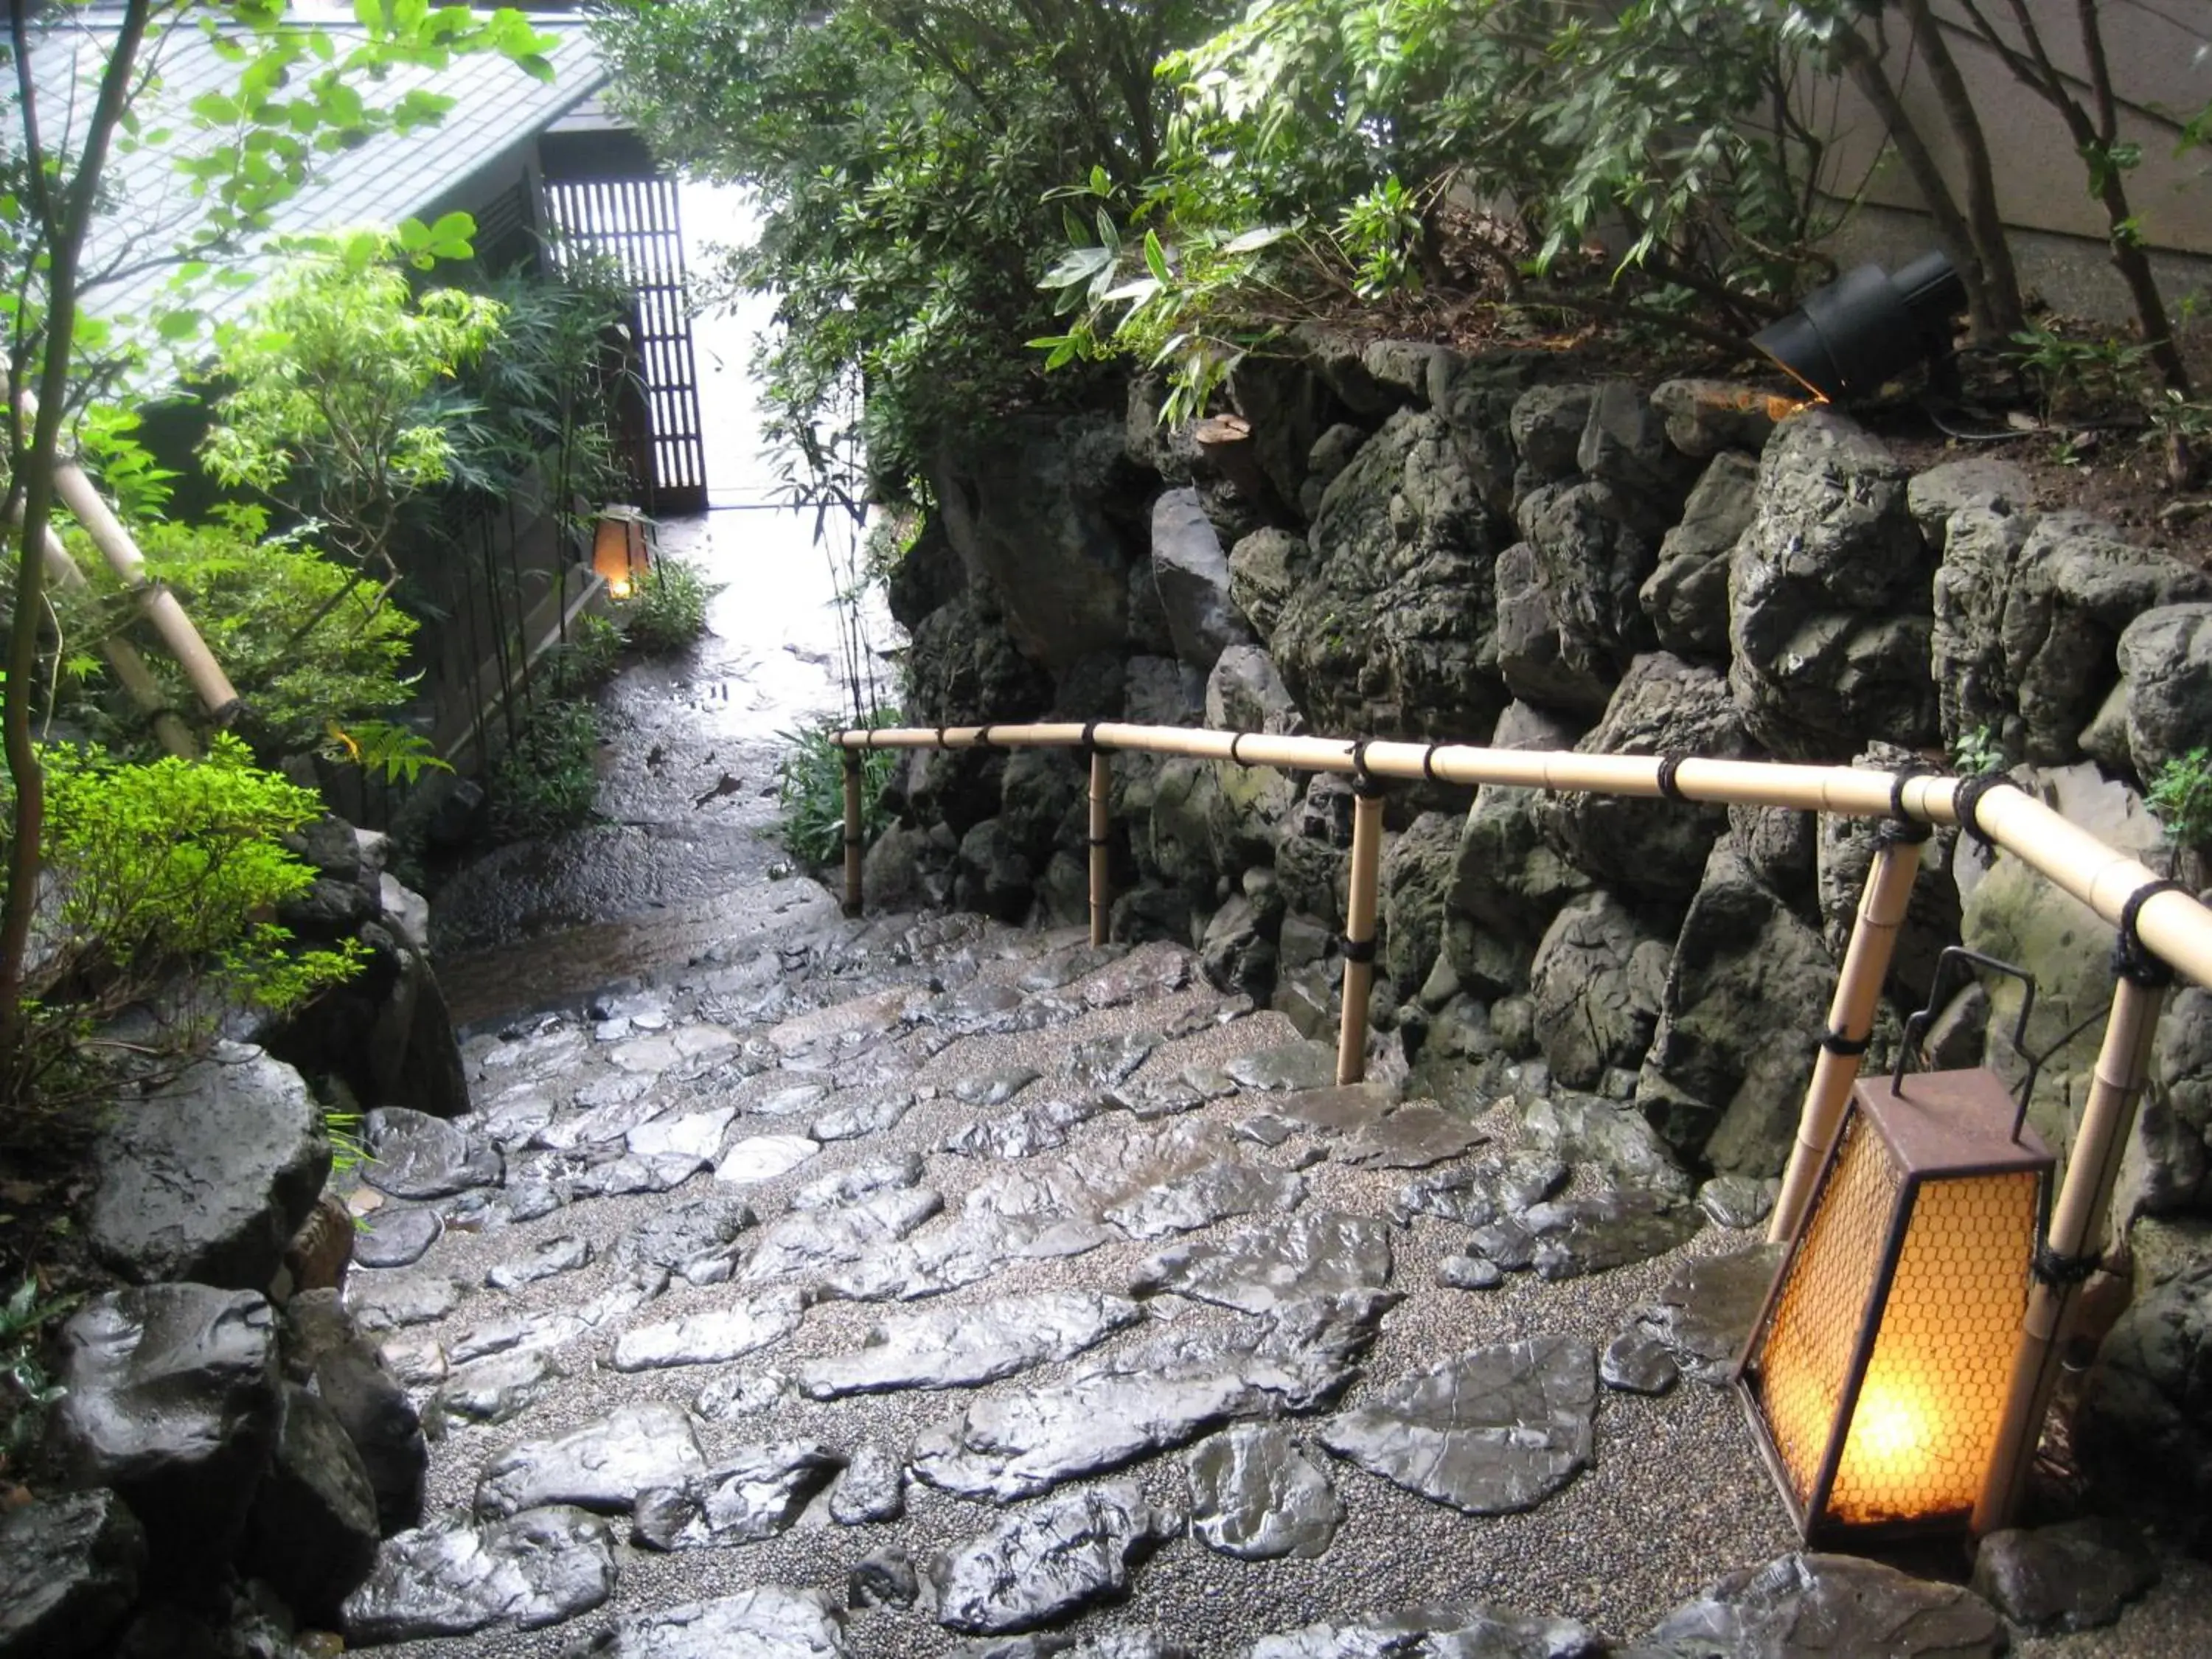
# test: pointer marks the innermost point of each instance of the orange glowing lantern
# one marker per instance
(1876, 1376)
(621, 550)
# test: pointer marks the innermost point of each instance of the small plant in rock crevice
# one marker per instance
(1978, 751)
(2180, 793)
(26, 1387)
(809, 779)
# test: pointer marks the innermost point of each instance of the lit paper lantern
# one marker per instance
(621, 555)
(1877, 1375)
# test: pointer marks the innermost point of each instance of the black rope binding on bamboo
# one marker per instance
(1429, 762)
(942, 743)
(1089, 746)
(983, 736)
(1967, 804)
(1365, 783)
(1670, 786)
(1356, 949)
(1901, 827)
(2132, 960)
(1235, 745)
(1846, 1046)
(2062, 1271)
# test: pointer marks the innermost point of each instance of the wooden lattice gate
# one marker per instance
(630, 219)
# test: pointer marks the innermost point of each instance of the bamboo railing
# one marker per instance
(2157, 923)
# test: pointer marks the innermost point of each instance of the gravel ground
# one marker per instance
(1676, 1498)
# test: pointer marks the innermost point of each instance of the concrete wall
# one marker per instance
(2162, 71)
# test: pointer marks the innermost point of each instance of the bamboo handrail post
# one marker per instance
(2080, 1216)
(157, 603)
(1359, 911)
(853, 849)
(1882, 904)
(1102, 791)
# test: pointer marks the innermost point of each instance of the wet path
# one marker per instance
(682, 855)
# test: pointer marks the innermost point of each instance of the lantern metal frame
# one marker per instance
(1934, 1127)
(636, 532)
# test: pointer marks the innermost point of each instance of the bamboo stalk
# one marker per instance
(2081, 1216)
(1851, 1016)
(1102, 795)
(156, 602)
(1360, 937)
(130, 668)
(852, 832)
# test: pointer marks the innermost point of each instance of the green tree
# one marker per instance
(296, 95)
(330, 373)
(899, 152)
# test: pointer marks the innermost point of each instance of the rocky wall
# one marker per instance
(1412, 544)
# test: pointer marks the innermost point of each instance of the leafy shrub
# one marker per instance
(547, 781)
(669, 610)
(584, 661)
(163, 876)
(2180, 793)
(809, 780)
(305, 642)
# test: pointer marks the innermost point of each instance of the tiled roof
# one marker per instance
(497, 110)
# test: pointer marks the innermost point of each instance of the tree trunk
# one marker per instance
(2000, 281)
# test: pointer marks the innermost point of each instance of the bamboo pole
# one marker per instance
(1850, 1018)
(2080, 1217)
(1102, 795)
(1359, 936)
(131, 671)
(2171, 925)
(852, 832)
(156, 603)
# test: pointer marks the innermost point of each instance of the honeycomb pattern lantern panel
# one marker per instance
(1878, 1372)
(1928, 1412)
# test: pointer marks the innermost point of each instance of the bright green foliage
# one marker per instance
(1319, 143)
(2180, 793)
(1976, 752)
(810, 786)
(328, 376)
(305, 642)
(900, 156)
(548, 779)
(585, 660)
(162, 875)
(669, 610)
(384, 750)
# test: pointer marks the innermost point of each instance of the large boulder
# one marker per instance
(2165, 670)
(328, 1353)
(1828, 598)
(1039, 507)
(927, 576)
(1288, 405)
(1653, 849)
(1314, 856)
(992, 874)
(69, 1573)
(1251, 804)
(2012, 913)
(2169, 1168)
(1507, 881)
(964, 665)
(1568, 618)
(1417, 870)
(1393, 632)
(2028, 613)
(312, 1531)
(2145, 1427)
(1745, 998)
(1686, 597)
(1192, 573)
(1624, 447)
(1262, 570)
(1042, 802)
(1546, 424)
(172, 1399)
(1237, 951)
(1712, 417)
(209, 1176)
(1595, 984)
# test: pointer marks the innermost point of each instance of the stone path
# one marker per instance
(735, 1292)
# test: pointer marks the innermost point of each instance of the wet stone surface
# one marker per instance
(1255, 1495)
(2074, 1576)
(770, 1621)
(752, 1492)
(1260, 1268)
(959, 1347)
(451, 1578)
(1489, 1433)
(601, 1467)
(396, 1235)
(1833, 1603)
(1051, 1558)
